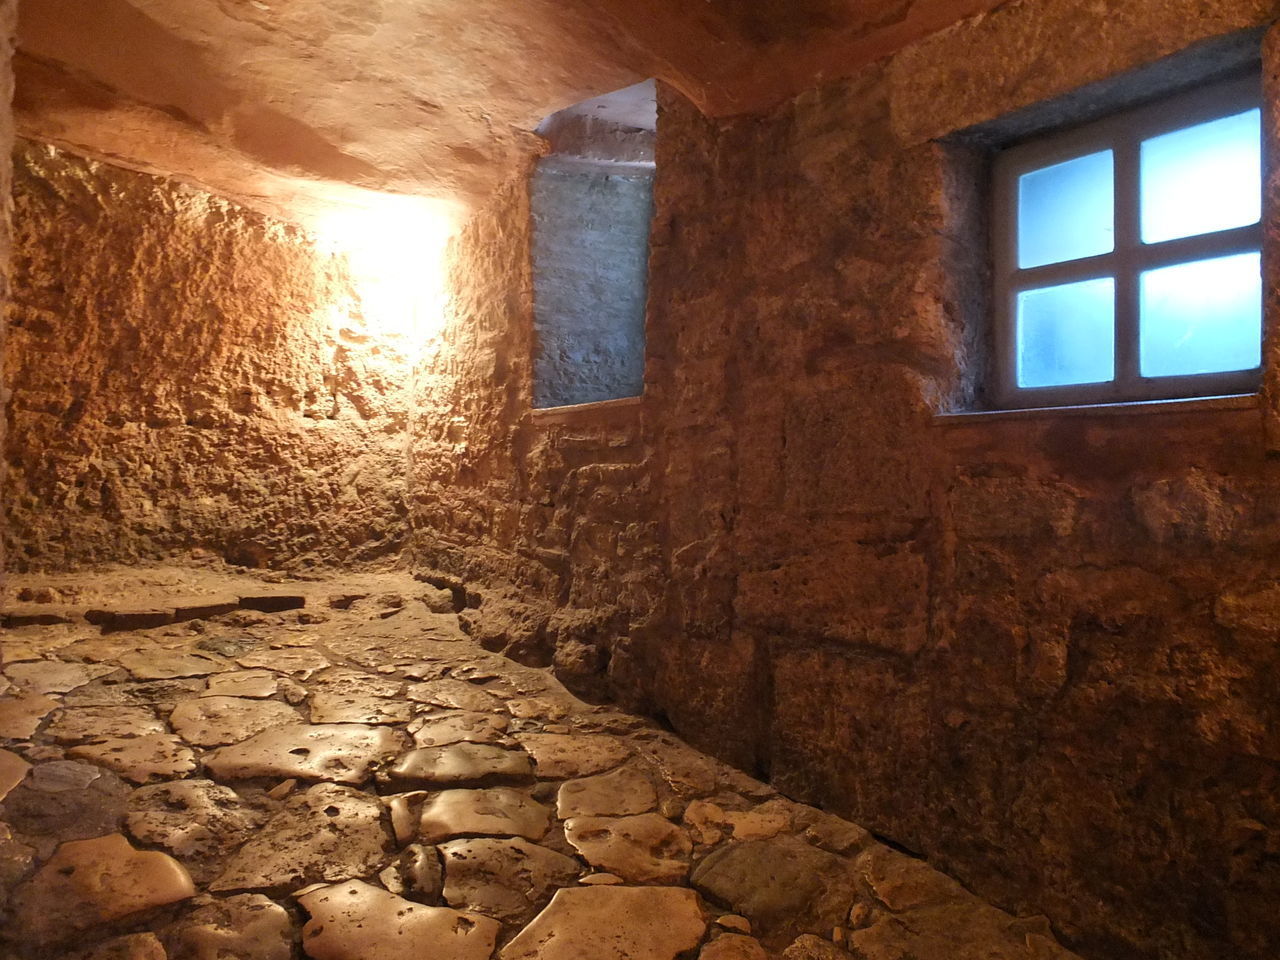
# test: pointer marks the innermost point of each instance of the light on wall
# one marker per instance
(395, 250)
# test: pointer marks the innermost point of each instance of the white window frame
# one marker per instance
(1123, 135)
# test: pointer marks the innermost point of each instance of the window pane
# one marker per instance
(1202, 179)
(1203, 317)
(1065, 211)
(1066, 334)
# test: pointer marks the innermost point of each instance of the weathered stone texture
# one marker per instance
(546, 514)
(8, 28)
(186, 374)
(1037, 650)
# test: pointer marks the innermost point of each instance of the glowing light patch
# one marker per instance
(395, 249)
(1065, 212)
(1066, 334)
(1202, 317)
(1203, 178)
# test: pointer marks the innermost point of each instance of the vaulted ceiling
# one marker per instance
(289, 103)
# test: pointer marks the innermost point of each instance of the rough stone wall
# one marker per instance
(1039, 650)
(8, 29)
(545, 518)
(188, 375)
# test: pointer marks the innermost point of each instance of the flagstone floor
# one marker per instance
(201, 766)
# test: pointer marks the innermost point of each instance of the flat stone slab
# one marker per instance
(903, 883)
(343, 753)
(457, 694)
(782, 884)
(247, 926)
(548, 707)
(356, 921)
(192, 819)
(459, 727)
(20, 717)
(65, 800)
(559, 756)
(170, 664)
(254, 684)
(356, 707)
(153, 756)
(507, 878)
(97, 649)
(621, 792)
(13, 770)
(495, 812)
(214, 721)
(54, 676)
(88, 883)
(612, 923)
(474, 763)
(416, 873)
(296, 661)
(640, 849)
(687, 772)
(710, 823)
(79, 724)
(156, 693)
(329, 833)
(348, 681)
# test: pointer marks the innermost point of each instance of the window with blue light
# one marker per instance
(1127, 255)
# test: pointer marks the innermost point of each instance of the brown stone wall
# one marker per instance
(8, 29)
(186, 374)
(548, 517)
(1039, 650)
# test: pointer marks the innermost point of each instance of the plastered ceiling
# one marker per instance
(290, 104)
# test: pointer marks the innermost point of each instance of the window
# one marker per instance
(592, 204)
(1127, 255)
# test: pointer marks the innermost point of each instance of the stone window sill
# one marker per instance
(578, 411)
(1242, 401)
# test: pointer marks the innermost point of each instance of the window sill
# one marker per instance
(1241, 401)
(583, 410)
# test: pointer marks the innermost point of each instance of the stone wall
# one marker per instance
(546, 517)
(1038, 650)
(1035, 650)
(186, 374)
(8, 30)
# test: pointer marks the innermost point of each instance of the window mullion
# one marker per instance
(1127, 262)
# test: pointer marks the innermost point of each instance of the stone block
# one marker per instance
(863, 595)
(203, 608)
(273, 602)
(994, 508)
(143, 618)
(780, 885)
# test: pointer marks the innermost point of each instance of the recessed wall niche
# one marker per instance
(592, 204)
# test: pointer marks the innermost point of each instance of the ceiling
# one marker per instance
(291, 105)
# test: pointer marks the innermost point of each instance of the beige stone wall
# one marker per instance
(186, 375)
(8, 29)
(546, 516)
(1039, 651)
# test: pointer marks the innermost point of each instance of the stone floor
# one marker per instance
(225, 768)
